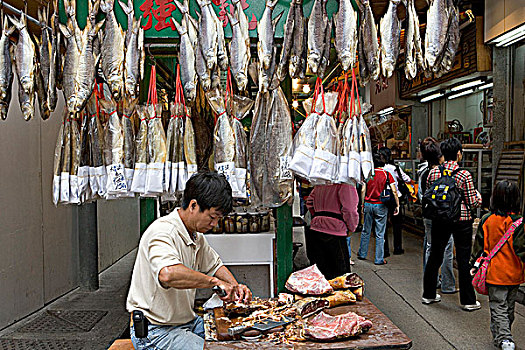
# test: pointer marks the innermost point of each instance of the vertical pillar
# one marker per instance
(501, 77)
(284, 245)
(88, 246)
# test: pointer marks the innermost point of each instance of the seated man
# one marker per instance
(174, 259)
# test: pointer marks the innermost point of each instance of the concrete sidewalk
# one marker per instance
(83, 320)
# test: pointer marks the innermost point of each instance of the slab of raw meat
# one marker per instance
(308, 281)
(326, 327)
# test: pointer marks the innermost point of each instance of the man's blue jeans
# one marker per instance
(378, 214)
(189, 336)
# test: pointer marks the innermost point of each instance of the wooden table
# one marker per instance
(383, 335)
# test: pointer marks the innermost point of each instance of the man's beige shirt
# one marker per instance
(167, 242)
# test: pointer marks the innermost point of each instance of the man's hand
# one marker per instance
(243, 293)
(473, 271)
(396, 211)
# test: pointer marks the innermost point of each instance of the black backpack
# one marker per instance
(442, 200)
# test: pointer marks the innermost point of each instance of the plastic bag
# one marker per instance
(157, 152)
(138, 185)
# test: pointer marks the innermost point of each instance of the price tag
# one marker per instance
(117, 178)
(286, 174)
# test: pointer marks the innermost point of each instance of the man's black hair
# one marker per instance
(387, 154)
(378, 158)
(505, 199)
(431, 151)
(211, 190)
(450, 148)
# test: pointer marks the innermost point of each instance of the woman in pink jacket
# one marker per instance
(334, 216)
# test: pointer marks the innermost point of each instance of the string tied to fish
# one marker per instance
(318, 91)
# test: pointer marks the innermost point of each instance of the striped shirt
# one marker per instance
(465, 184)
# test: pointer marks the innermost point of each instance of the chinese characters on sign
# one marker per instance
(162, 11)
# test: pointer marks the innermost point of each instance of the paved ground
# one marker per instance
(394, 288)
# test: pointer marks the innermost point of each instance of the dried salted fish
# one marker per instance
(157, 151)
(57, 164)
(6, 69)
(266, 31)
(258, 144)
(239, 54)
(300, 41)
(390, 30)
(112, 50)
(135, 53)
(188, 74)
(438, 16)
(317, 25)
(208, 37)
(71, 59)
(279, 180)
(370, 44)
(453, 37)
(75, 161)
(346, 34)
(84, 190)
(286, 50)
(190, 155)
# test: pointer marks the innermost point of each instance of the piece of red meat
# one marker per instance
(326, 327)
(308, 281)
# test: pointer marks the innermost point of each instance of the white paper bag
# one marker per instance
(83, 183)
(354, 166)
(367, 164)
(301, 163)
(154, 178)
(342, 174)
(323, 165)
(138, 185)
(182, 176)
(240, 175)
(128, 173)
(56, 189)
(168, 165)
(64, 187)
(173, 178)
(228, 170)
(116, 180)
(102, 178)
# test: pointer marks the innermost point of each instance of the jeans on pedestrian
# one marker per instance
(502, 300)
(348, 244)
(189, 336)
(374, 213)
(440, 235)
(448, 280)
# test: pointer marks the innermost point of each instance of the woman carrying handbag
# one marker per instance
(380, 191)
(505, 272)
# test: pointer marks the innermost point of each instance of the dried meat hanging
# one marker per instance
(156, 142)
(84, 190)
(75, 160)
(138, 184)
(57, 163)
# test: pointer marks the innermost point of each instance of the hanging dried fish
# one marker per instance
(300, 42)
(25, 64)
(266, 30)
(208, 37)
(112, 50)
(369, 40)
(75, 160)
(190, 155)
(157, 151)
(438, 17)
(97, 171)
(187, 62)
(390, 30)
(282, 68)
(57, 164)
(453, 37)
(128, 113)
(346, 34)
(6, 69)
(258, 145)
(135, 53)
(317, 24)
(239, 54)
(114, 150)
(84, 190)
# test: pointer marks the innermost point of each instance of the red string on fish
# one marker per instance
(354, 79)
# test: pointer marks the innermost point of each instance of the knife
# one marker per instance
(219, 291)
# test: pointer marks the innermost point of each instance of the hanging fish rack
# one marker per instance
(20, 12)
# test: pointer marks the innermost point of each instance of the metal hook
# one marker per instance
(151, 57)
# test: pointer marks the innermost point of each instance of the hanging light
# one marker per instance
(431, 97)
(295, 104)
(386, 111)
(468, 92)
(467, 85)
(306, 88)
(295, 84)
(486, 86)
(510, 37)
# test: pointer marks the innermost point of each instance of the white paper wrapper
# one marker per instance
(182, 176)
(168, 165)
(173, 178)
(323, 165)
(64, 187)
(102, 179)
(138, 185)
(192, 169)
(73, 190)
(240, 175)
(128, 173)
(83, 183)
(301, 163)
(154, 178)
(228, 170)
(367, 165)
(342, 174)
(116, 181)
(354, 166)
(56, 189)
